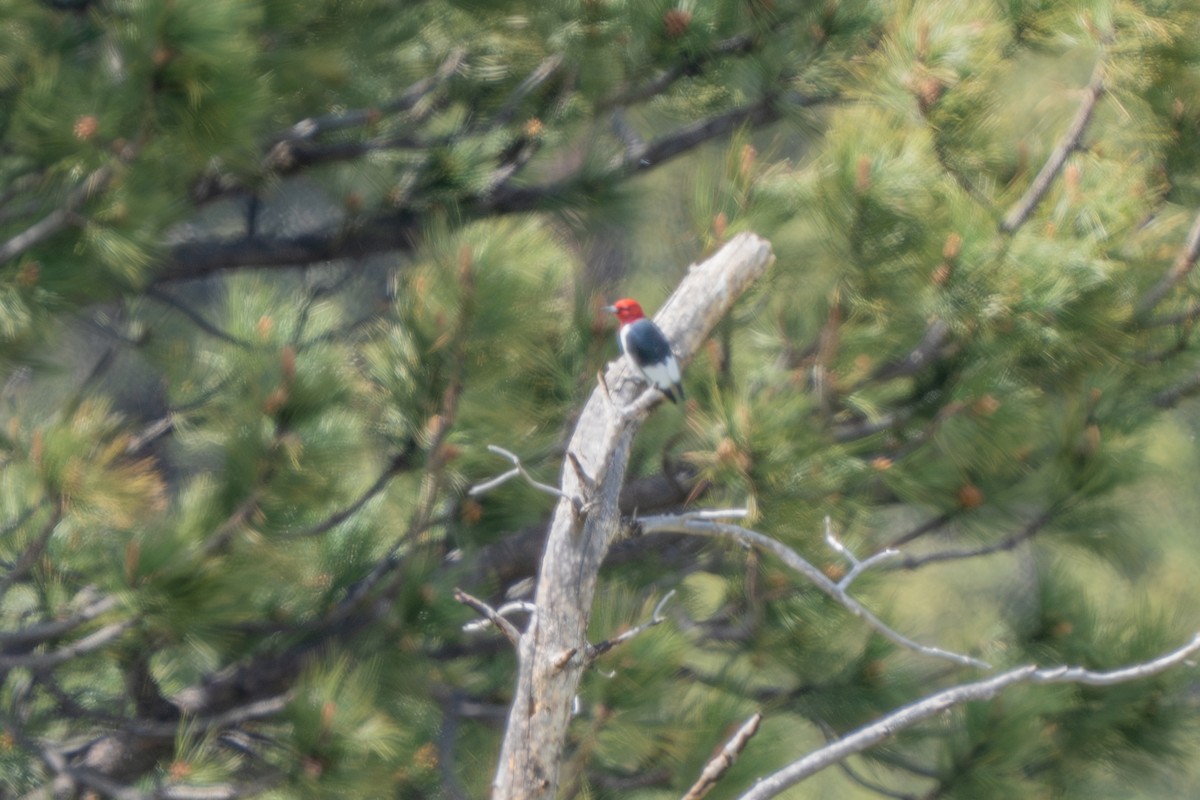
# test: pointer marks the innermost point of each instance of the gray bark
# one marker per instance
(553, 650)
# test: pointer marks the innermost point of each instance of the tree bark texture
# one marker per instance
(553, 650)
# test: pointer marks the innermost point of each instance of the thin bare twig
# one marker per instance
(315, 126)
(53, 658)
(1188, 316)
(94, 184)
(1179, 270)
(32, 552)
(933, 705)
(689, 523)
(857, 566)
(246, 712)
(507, 628)
(542, 73)
(831, 736)
(198, 319)
(518, 470)
(597, 650)
(244, 512)
(1019, 213)
(511, 607)
(400, 463)
(45, 631)
(926, 527)
(1172, 396)
(716, 768)
(694, 65)
(1026, 533)
(43, 229)
(20, 519)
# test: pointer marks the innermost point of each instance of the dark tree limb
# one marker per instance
(399, 230)
(1026, 532)
(1173, 396)
(198, 319)
(312, 127)
(693, 65)
(32, 552)
(22, 640)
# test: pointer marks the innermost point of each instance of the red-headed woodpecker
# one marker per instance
(647, 349)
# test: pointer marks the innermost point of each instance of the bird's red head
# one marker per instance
(627, 310)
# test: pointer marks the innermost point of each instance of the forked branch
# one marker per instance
(887, 726)
(704, 525)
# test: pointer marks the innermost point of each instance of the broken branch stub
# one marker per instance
(578, 542)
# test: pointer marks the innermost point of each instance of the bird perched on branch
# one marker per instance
(647, 349)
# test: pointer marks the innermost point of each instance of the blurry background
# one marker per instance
(273, 276)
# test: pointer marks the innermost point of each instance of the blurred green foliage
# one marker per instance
(273, 276)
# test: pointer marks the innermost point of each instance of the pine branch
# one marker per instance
(1027, 532)
(863, 428)
(830, 736)
(1179, 270)
(289, 157)
(939, 702)
(18, 186)
(1188, 317)
(58, 219)
(198, 258)
(94, 184)
(542, 73)
(925, 353)
(691, 66)
(24, 639)
(198, 319)
(52, 658)
(246, 712)
(686, 137)
(600, 648)
(1173, 396)
(14, 524)
(872, 786)
(402, 462)
(294, 148)
(964, 183)
(1070, 141)
(221, 537)
(313, 127)
(32, 552)
(927, 527)
(397, 231)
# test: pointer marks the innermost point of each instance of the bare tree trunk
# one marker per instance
(553, 650)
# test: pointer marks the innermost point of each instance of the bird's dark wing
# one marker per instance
(648, 343)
